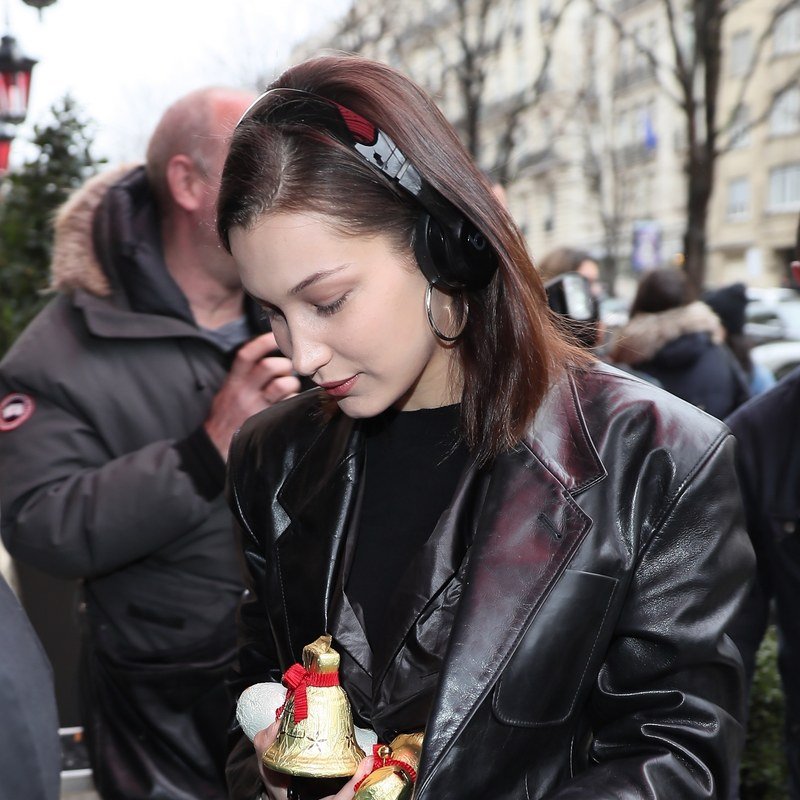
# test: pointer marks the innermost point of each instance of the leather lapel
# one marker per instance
(317, 495)
(528, 530)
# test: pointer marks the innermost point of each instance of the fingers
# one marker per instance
(275, 783)
(254, 351)
(281, 388)
(263, 739)
(348, 790)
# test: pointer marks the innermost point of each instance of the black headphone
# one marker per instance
(450, 250)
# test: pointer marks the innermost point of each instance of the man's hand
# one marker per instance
(256, 381)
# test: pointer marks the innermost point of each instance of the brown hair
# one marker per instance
(561, 260)
(660, 290)
(510, 350)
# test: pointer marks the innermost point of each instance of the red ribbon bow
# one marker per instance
(296, 679)
(380, 760)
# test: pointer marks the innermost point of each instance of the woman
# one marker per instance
(528, 555)
(681, 344)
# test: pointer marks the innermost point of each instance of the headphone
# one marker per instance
(450, 250)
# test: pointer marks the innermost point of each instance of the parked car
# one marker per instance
(779, 357)
(772, 315)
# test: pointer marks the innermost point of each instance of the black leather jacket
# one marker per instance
(587, 656)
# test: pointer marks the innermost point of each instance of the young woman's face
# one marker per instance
(348, 310)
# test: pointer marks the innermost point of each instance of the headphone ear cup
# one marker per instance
(457, 261)
(429, 247)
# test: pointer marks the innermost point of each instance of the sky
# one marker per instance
(124, 61)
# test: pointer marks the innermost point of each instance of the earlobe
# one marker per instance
(184, 182)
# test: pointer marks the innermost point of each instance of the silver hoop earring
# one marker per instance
(429, 311)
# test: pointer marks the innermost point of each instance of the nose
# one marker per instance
(309, 354)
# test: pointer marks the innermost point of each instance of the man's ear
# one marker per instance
(185, 182)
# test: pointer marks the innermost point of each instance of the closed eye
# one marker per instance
(332, 308)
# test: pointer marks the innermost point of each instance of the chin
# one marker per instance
(361, 407)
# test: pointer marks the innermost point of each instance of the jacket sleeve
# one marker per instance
(73, 509)
(257, 657)
(750, 623)
(668, 702)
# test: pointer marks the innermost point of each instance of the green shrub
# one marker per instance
(763, 775)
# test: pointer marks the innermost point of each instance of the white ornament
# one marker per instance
(257, 706)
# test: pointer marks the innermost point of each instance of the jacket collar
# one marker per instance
(322, 484)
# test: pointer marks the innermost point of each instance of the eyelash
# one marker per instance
(333, 307)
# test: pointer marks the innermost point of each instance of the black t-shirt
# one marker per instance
(413, 462)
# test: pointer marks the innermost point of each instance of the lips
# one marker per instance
(339, 388)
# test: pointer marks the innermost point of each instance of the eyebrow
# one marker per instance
(317, 276)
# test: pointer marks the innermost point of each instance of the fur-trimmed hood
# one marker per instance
(646, 334)
(75, 264)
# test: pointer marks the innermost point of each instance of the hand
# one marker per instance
(276, 784)
(256, 381)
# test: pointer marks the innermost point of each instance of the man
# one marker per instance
(117, 407)
(768, 433)
(30, 753)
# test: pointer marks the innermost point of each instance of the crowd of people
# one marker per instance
(300, 376)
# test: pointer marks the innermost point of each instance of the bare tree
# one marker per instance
(466, 38)
(691, 79)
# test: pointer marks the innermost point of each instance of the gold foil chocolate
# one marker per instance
(322, 744)
(392, 782)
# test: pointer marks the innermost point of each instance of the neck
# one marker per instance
(212, 300)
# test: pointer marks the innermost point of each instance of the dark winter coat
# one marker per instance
(683, 349)
(30, 753)
(767, 430)
(106, 477)
(586, 654)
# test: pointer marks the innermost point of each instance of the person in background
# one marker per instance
(30, 753)
(767, 431)
(117, 406)
(729, 303)
(500, 533)
(568, 259)
(681, 344)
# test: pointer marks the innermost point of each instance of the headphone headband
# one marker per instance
(450, 250)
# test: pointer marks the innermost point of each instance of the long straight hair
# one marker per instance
(511, 349)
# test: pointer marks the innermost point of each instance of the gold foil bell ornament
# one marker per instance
(316, 737)
(395, 770)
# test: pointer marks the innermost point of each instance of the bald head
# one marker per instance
(197, 125)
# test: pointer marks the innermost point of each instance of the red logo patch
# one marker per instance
(14, 410)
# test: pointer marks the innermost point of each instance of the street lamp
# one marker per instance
(15, 81)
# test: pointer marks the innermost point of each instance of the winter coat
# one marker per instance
(107, 477)
(683, 349)
(767, 430)
(584, 652)
(30, 753)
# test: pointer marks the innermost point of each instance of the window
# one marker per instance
(738, 199)
(786, 38)
(740, 130)
(784, 188)
(741, 49)
(785, 115)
